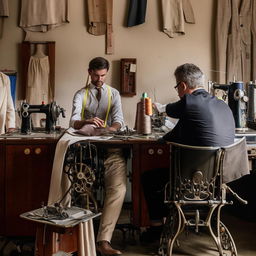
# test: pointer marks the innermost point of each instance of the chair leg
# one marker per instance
(226, 240)
(222, 238)
(173, 226)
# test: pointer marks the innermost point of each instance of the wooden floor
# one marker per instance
(243, 232)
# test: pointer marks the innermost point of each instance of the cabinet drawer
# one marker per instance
(154, 156)
(27, 182)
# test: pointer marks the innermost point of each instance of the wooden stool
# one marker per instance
(52, 239)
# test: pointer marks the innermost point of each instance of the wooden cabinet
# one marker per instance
(2, 193)
(145, 157)
(25, 173)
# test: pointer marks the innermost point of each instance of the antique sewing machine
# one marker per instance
(52, 112)
(236, 97)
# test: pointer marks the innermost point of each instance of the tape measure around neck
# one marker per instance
(85, 100)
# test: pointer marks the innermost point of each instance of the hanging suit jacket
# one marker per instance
(4, 12)
(43, 15)
(235, 33)
(137, 12)
(7, 112)
(100, 14)
(253, 27)
(175, 14)
(4, 8)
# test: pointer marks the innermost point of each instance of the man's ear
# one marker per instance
(183, 86)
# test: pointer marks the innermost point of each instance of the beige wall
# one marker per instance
(157, 54)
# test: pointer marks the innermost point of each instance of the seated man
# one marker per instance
(7, 112)
(99, 104)
(204, 120)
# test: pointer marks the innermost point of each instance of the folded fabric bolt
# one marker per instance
(90, 130)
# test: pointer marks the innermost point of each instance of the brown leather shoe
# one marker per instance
(105, 249)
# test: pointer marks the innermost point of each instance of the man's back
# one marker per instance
(204, 120)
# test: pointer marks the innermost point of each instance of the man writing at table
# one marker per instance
(204, 120)
(99, 105)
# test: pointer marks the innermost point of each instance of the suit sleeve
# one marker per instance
(176, 109)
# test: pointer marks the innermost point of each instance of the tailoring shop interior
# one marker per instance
(44, 61)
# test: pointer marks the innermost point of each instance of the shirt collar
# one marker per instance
(92, 86)
(199, 90)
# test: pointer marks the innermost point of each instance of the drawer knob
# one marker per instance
(160, 151)
(151, 151)
(38, 151)
(26, 151)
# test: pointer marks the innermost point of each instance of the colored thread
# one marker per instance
(148, 106)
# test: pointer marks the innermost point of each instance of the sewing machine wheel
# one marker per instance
(56, 111)
(80, 187)
(80, 167)
(85, 173)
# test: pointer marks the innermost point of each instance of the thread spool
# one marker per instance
(148, 107)
(143, 120)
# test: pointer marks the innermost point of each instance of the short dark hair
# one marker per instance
(98, 63)
(190, 74)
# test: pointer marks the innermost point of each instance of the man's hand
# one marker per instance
(78, 124)
(96, 121)
(111, 129)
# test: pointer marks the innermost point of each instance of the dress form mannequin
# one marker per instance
(39, 51)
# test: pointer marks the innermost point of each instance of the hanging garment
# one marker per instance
(38, 85)
(175, 14)
(253, 26)
(100, 14)
(4, 12)
(4, 8)
(137, 12)
(43, 15)
(234, 42)
(7, 112)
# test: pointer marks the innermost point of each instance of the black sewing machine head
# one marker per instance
(52, 112)
(236, 100)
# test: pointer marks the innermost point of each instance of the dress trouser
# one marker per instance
(153, 183)
(115, 189)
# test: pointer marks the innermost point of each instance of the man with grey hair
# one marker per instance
(204, 120)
